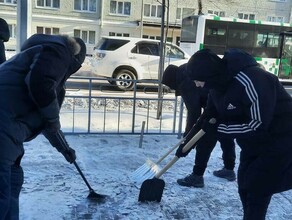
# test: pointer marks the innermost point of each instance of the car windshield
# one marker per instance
(110, 44)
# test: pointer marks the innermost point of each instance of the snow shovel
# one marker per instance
(152, 189)
(150, 169)
(92, 194)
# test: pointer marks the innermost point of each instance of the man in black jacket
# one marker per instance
(251, 105)
(31, 94)
(195, 100)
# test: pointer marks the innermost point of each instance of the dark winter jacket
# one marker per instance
(32, 85)
(251, 105)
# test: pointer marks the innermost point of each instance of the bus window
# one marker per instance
(267, 41)
(189, 32)
(240, 35)
(286, 57)
(215, 33)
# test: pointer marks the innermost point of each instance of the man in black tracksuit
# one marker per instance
(31, 94)
(195, 100)
(251, 105)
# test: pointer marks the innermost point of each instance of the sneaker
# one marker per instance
(192, 180)
(225, 173)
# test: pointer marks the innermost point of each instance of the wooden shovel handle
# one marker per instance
(172, 149)
(186, 148)
(193, 141)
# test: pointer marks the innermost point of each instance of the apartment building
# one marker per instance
(92, 19)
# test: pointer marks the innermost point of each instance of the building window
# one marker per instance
(246, 16)
(218, 13)
(178, 13)
(12, 30)
(85, 5)
(48, 3)
(187, 12)
(120, 8)
(87, 36)
(275, 18)
(47, 30)
(14, 2)
(184, 12)
(154, 11)
(119, 34)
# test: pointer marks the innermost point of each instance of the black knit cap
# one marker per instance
(205, 65)
(81, 55)
(169, 76)
(174, 75)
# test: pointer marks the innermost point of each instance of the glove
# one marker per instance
(188, 136)
(58, 141)
(179, 152)
(210, 126)
(69, 154)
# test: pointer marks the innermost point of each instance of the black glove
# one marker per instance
(210, 126)
(179, 152)
(188, 136)
(58, 141)
(69, 154)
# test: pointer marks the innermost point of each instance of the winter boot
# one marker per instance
(192, 180)
(225, 173)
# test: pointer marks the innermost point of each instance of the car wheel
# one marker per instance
(126, 77)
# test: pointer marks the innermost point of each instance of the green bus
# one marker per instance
(269, 42)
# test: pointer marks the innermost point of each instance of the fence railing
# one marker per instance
(93, 106)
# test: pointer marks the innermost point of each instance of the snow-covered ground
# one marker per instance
(54, 190)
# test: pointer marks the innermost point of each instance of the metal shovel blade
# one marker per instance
(146, 171)
(151, 190)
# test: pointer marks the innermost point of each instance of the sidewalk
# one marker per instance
(53, 189)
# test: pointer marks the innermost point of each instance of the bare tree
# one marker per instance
(200, 7)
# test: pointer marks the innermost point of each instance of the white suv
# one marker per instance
(126, 59)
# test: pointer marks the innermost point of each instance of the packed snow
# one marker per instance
(53, 189)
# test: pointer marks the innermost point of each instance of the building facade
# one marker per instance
(92, 19)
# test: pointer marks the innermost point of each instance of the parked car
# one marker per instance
(126, 59)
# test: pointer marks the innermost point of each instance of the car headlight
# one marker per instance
(100, 56)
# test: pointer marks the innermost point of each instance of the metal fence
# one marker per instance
(93, 106)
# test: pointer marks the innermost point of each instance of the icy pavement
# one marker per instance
(53, 189)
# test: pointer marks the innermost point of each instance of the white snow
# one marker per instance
(53, 189)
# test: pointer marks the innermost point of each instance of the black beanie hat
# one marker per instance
(174, 75)
(205, 65)
(169, 76)
(81, 55)
(4, 30)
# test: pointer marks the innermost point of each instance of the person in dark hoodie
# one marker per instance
(31, 94)
(4, 37)
(195, 100)
(251, 105)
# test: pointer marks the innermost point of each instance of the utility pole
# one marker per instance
(23, 22)
(161, 64)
